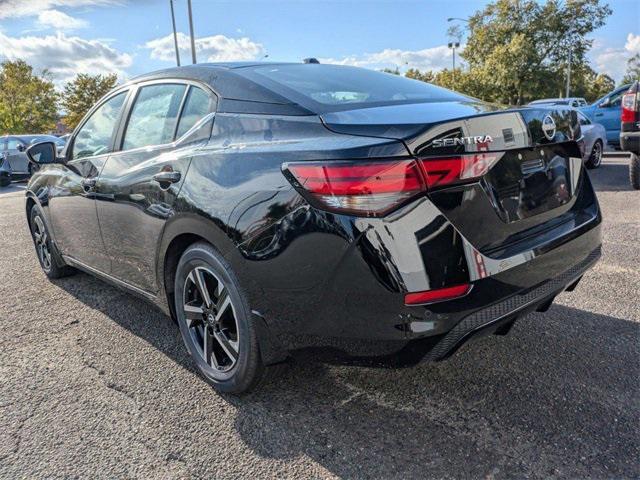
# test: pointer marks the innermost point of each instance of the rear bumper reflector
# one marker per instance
(438, 295)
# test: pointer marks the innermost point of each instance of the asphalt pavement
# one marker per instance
(95, 383)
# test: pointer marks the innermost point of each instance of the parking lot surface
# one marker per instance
(95, 383)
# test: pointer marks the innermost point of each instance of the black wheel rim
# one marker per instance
(596, 155)
(42, 243)
(211, 319)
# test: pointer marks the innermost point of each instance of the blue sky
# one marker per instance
(133, 36)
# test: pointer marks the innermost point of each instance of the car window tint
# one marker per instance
(616, 99)
(196, 107)
(583, 120)
(154, 115)
(94, 138)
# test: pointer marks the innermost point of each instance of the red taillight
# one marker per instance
(447, 171)
(630, 107)
(372, 188)
(369, 188)
(437, 295)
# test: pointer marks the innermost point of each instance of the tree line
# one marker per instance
(29, 102)
(520, 50)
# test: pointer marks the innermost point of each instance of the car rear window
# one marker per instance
(337, 87)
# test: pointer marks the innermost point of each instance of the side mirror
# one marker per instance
(605, 103)
(21, 147)
(42, 153)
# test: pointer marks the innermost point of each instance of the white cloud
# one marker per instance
(65, 56)
(613, 61)
(22, 8)
(60, 21)
(435, 58)
(215, 48)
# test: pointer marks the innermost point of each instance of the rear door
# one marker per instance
(140, 181)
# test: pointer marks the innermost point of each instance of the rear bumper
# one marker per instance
(630, 142)
(340, 290)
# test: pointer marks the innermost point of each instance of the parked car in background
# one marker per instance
(326, 207)
(606, 111)
(14, 163)
(595, 138)
(574, 102)
(630, 131)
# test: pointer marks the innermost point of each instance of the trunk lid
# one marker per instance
(534, 182)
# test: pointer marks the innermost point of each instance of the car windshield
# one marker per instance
(337, 87)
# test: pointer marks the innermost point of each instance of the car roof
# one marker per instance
(231, 86)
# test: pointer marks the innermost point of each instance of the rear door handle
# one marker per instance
(599, 114)
(167, 177)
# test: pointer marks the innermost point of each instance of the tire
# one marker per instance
(634, 171)
(595, 158)
(5, 181)
(215, 321)
(50, 260)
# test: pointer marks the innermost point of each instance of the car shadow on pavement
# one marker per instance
(557, 397)
(611, 176)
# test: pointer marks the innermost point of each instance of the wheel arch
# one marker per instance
(181, 232)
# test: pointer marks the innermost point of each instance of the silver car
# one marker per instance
(595, 138)
(14, 164)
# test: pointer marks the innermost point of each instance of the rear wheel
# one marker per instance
(595, 159)
(634, 171)
(49, 258)
(5, 181)
(215, 321)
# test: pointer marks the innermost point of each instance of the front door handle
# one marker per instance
(599, 114)
(167, 177)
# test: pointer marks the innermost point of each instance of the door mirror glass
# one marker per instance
(42, 153)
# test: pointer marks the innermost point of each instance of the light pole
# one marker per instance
(453, 46)
(175, 34)
(193, 42)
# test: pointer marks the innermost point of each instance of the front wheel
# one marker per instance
(215, 321)
(50, 261)
(5, 181)
(595, 159)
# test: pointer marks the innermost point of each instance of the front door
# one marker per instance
(72, 199)
(16, 157)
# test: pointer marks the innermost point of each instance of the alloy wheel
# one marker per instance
(596, 154)
(42, 243)
(211, 319)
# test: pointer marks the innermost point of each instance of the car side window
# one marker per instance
(13, 143)
(94, 137)
(196, 107)
(154, 115)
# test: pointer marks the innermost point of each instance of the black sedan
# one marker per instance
(276, 209)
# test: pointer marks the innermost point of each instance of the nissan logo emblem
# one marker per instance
(549, 127)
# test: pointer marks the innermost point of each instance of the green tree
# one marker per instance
(28, 102)
(518, 50)
(82, 93)
(633, 70)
